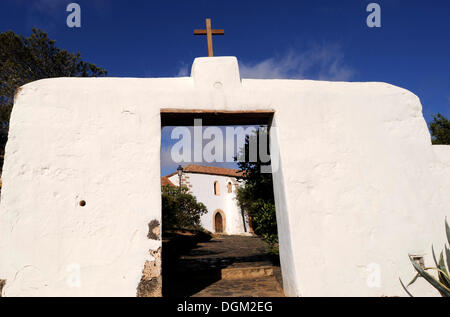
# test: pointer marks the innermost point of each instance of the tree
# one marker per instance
(256, 196)
(181, 210)
(23, 60)
(440, 130)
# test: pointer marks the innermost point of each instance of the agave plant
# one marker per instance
(443, 284)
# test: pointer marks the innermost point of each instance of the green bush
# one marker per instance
(181, 210)
(264, 220)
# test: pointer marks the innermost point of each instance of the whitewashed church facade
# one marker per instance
(215, 187)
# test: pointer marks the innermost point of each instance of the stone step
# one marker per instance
(229, 273)
(239, 273)
(257, 287)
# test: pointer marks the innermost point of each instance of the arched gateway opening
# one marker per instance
(227, 258)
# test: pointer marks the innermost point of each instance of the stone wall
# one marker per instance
(151, 280)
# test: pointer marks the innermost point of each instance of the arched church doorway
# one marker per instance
(219, 222)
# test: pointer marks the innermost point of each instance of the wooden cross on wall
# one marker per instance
(209, 33)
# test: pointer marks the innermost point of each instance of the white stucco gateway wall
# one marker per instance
(358, 188)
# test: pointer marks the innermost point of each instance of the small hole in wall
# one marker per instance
(82, 203)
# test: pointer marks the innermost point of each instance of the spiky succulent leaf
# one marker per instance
(441, 265)
(413, 280)
(447, 230)
(430, 279)
(447, 252)
(405, 288)
(443, 273)
(434, 256)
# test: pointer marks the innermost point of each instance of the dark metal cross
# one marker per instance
(209, 33)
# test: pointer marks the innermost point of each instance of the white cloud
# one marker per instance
(183, 71)
(320, 62)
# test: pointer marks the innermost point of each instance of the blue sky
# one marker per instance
(169, 165)
(320, 39)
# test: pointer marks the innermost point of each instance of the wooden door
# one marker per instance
(218, 223)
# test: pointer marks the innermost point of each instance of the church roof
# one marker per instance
(211, 170)
(165, 181)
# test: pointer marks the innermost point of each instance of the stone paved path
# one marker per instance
(257, 287)
(199, 272)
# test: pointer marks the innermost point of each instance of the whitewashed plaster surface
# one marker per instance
(358, 188)
(203, 189)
